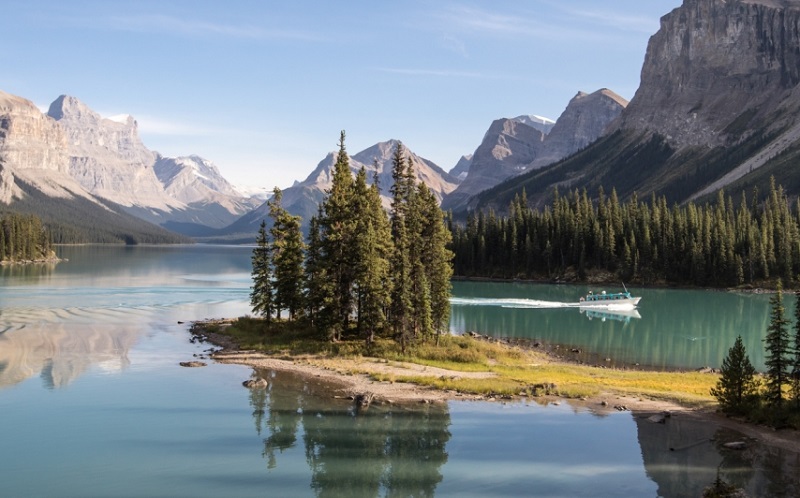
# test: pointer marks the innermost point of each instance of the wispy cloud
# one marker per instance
(552, 20)
(194, 27)
(455, 45)
(615, 20)
(479, 20)
(438, 73)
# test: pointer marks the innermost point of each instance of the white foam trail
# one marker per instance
(509, 303)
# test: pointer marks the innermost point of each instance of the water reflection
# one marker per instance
(59, 353)
(619, 315)
(684, 455)
(383, 450)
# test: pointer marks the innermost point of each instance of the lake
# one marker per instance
(93, 401)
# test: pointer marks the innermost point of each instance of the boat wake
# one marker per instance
(509, 303)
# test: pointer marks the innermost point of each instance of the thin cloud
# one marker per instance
(438, 73)
(174, 25)
(482, 22)
(638, 24)
(474, 19)
(455, 45)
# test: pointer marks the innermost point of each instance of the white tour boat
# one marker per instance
(614, 301)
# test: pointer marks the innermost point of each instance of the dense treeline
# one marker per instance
(23, 238)
(362, 271)
(79, 220)
(719, 244)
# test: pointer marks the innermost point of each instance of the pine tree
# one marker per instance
(401, 307)
(421, 322)
(338, 228)
(373, 249)
(261, 292)
(437, 259)
(287, 257)
(317, 283)
(777, 348)
(737, 387)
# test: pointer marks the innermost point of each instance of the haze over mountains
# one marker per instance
(717, 108)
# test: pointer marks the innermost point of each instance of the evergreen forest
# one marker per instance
(751, 241)
(23, 238)
(363, 272)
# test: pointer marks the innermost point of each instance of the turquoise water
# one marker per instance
(670, 328)
(93, 402)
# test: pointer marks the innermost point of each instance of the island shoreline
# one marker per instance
(350, 378)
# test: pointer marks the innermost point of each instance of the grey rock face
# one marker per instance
(714, 67)
(108, 158)
(585, 119)
(511, 147)
(33, 148)
(73, 151)
(461, 169)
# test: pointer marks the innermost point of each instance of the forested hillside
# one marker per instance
(713, 244)
(23, 238)
(91, 222)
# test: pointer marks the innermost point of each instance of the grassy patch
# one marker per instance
(515, 370)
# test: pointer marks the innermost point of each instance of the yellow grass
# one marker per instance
(515, 370)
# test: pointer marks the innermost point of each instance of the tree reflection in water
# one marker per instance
(390, 450)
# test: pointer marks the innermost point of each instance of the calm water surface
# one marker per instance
(93, 401)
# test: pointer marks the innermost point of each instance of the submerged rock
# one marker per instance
(255, 383)
(192, 364)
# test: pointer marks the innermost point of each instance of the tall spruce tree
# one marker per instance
(338, 228)
(317, 283)
(437, 259)
(373, 249)
(401, 294)
(261, 291)
(421, 322)
(777, 348)
(287, 257)
(737, 387)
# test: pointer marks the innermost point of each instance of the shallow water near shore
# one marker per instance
(94, 403)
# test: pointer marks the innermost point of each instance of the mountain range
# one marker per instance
(73, 155)
(716, 108)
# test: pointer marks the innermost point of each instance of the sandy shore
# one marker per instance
(352, 377)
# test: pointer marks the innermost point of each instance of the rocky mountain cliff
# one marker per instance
(461, 169)
(303, 198)
(33, 149)
(717, 108)
(512, 147)
(73, 152)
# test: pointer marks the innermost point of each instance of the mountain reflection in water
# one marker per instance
(59, 352)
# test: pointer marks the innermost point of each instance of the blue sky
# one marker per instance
(262, 88)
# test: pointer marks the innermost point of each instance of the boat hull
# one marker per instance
(612, 304)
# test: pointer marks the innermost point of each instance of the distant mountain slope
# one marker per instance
(73, 153)
(717, 107)
(512, 147)
(303, 198)
(109, 159)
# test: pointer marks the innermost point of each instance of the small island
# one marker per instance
(24, 240)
